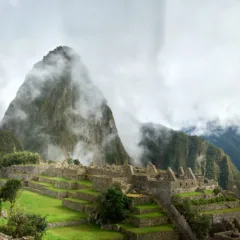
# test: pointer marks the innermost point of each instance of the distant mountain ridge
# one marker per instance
(226, 138)
(58, 111)
(168, 148)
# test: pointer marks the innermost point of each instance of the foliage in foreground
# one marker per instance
(199, 223)
(9, 191)
(113, 207)
(22, 224)
(18, 158)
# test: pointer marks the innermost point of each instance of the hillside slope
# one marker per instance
(226, 138)
(8, 143)
(165, 147)
(58, 111)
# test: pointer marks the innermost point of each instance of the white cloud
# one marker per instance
(172, 63)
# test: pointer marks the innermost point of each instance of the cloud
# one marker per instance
(173, 63)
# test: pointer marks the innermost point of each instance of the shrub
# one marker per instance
(114, 206)
(18, 158)
(70, 161)
(9, 191)
(76, 162)
(216, 191)
(22, 224)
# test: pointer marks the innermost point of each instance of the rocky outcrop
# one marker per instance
(58, 110)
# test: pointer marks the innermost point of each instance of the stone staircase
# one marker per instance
(148, 220)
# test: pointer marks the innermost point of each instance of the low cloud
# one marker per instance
(174, 64)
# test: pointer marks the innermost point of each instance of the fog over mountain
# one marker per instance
(171, 62)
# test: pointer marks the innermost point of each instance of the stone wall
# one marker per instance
(78, 206)
(167, 235)
(147, 222)
(66, 224)
(217, 218)
(217, 206)
(228, 235)
(103, 172)
(22, 172)
(184, 185)
(65, 185)
(101, 183)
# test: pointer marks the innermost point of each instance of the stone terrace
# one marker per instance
(79, 188)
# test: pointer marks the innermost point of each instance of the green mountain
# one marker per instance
(59, 112)
(8, 143)
(168, 148)
(226, 138)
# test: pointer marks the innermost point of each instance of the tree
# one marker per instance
(22, 224)
(76, 162)
(70, 161)
(216, 191)
(114, 206)
(9, 191)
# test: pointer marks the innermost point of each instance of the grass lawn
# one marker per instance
(83, 182)
(89, 191)
(42, 183)
(208, 191)
(150, 215)
(134, 195)
(227, 210)
(82, 232)
(189, 194)
(46, 206)
(81, 201)
(144, 230)
(146, 206)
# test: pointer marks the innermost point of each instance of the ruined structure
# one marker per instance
(164, 183)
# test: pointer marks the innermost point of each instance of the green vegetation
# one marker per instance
(90, 192)
(150, 215)
(168, 148)
(212, 200)
(9, 191)
(46, 206)
(144, 230)
(208, 191)
(83, 232)
(226, 210)
(45, 119)
(22, 224)
(216, 191)
(82, 182)
(189, 194)
(77, 200)
(199, 223)
(18, 158)
(76, 162)
(8, 143)
(147, 206)
(113, 207)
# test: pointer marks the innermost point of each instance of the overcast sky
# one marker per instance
(174, 64)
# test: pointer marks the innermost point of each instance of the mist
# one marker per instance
(171, 62)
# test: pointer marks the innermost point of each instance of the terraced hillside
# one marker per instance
(223, 209)
(147, 220)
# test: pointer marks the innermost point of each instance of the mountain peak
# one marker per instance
(59, 110)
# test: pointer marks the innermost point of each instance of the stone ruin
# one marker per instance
(154, 181)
